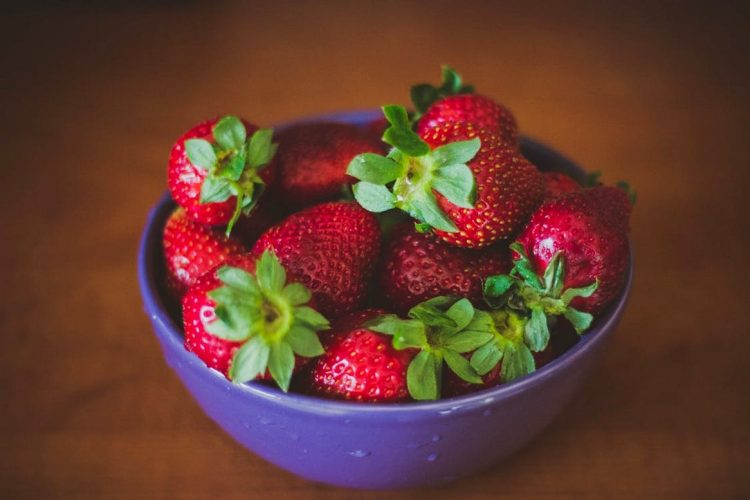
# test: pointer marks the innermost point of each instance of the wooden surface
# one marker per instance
(93, 97)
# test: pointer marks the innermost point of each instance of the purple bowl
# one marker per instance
(359, 445)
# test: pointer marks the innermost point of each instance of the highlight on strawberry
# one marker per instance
(217, 170)
(248, 321)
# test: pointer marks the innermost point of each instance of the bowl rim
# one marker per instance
(172, 338)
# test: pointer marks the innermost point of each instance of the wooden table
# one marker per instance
(94, 96)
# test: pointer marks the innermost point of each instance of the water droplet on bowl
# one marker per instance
(265, 421)
(359, 453)
(432, 457)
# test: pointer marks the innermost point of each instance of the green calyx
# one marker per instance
(442, 329)
(407, 178)
(424, 95)
(232, 164)
(540, 299)
(507, 345)
(268, 316)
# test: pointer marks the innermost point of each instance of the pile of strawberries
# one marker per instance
(417, 257)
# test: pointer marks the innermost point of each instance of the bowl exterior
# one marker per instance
(362, 446)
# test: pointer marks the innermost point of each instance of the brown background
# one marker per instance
(93, 97)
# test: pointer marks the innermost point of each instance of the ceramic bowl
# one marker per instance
(366, 445)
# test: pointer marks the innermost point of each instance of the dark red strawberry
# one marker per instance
(312, 160)
(245, 320)
(191, 249)
(482, 112)
(571, 260)
(330, 248)
(454, 102)
(216, 172)
(464, 183)
(557, 184)
(375, 130)
(360, 364)
(418, 266)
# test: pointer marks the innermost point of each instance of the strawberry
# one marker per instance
(330, 248)
(418, 266)
(454, 102)
(464, 183)
(438, 332)
(216, 172)
(191, 249)
(244, 320)
(360, 364)
(557, 184)
(570, 260)
(313, 157)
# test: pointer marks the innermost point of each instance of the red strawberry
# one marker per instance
(375, 129)
(330, 248)
(557, 184)
(244, 320)
(481, 112)
(360, 364)
(191, 249)
(466, 184)
(214, 170)
(589, 229)
(418, 266)
(570, 260)
(312, 160)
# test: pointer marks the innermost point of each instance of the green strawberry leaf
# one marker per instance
(406, 140)
(461, 312)
(232, 323)
(304, 341)
(536, 333)
(456, 153)
(230, 133)
(270, 274)
(581, 321)
(281, 364)
(466, 341)
(586, 291)
(373, 197)
(430, 315)
(553, 275)
(249, 361)
(260, 149)
(375, 169)
(423, 376)
(200, 153)
(311, 317)
(423, 95)
(457, 184)
(215, 190)
(523, 267)
(396, 115)
(517, 362)
(234, 168)
(406, 333)
(426, 209)
(296, 294)
(496, 289)
(486, 357)
(238, 278)
(461, 367)
(452, 82)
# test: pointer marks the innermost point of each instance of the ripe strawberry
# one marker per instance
(191, 249)
(570, 260)
(454, 102)
(418, 266)
(330, 248)
(360, 364)
(313, 157)
(464, 183)
(216, 172)
(244, 320)
(557, 184)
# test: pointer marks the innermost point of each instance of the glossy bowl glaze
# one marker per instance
(366, 445)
